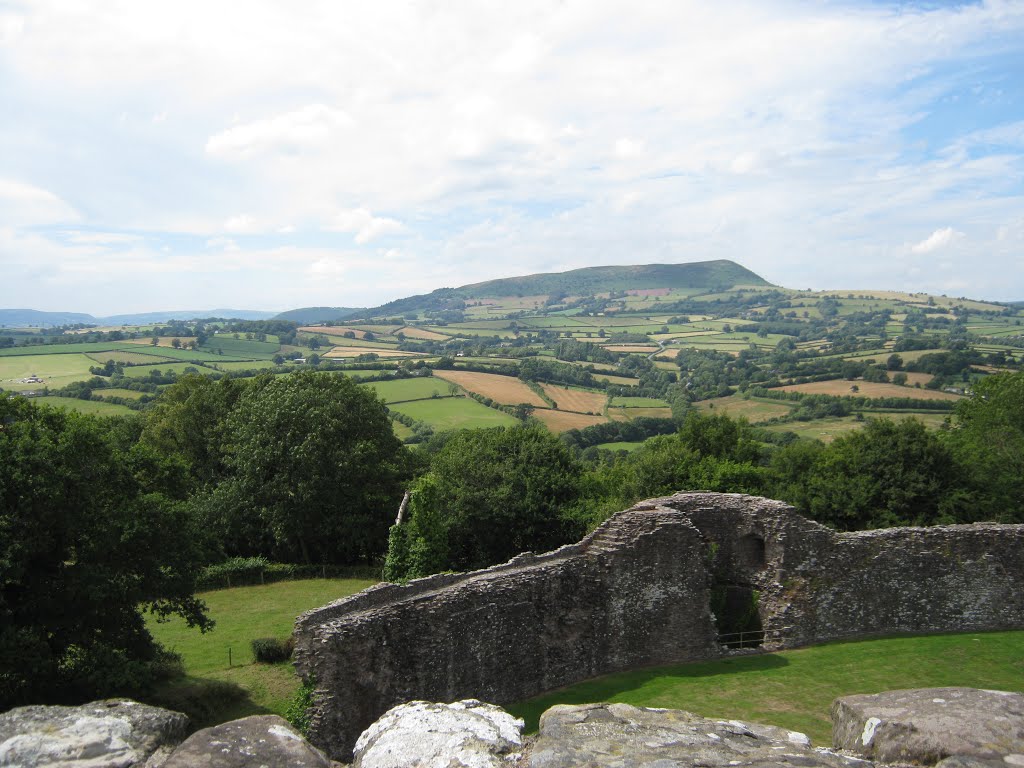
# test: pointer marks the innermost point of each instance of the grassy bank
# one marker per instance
(222, 681)
(795, 689)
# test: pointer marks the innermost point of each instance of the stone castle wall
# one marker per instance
(638, 592)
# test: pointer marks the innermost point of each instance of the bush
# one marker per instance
(297, 712)
(270, 650)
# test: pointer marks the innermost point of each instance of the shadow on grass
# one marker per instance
(206, 701)
(614, 687)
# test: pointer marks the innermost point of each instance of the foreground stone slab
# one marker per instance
(116, 733)
(623, 736)
(266, 741)
(928, 724)
(464, 734)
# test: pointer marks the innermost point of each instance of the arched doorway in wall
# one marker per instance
(734, 601)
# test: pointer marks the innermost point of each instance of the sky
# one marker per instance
(271, 155)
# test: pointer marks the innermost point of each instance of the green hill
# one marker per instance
(306, 315)
(701, 275)
(710, 275)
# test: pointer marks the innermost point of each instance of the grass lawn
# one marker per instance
(56, 371)
(243, 614)
(795, 689)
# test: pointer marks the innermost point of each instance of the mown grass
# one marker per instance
(216, 691)
(97, 407)
(795, 689)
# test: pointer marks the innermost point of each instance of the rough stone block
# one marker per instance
(928, 724)
(267, 741)
(464, 734)
(623, 736)
(116, 733)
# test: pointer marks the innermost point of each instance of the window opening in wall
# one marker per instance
(751, 552)
(737, 618)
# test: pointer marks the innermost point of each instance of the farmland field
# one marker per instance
(625, 414)
(411, 332)
(622, 381)
(128, 358)
(56, 371)
(841, 387)
(163, 341)
(142, 371)
(620, 445)
(501, 389)
(638, 402)
(96, 407)
(752, 410)
(454, 413)
(400, 390)
(127, 394)
(561, 421)
(350, 351)
(579, 400)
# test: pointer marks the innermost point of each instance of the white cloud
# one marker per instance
(307, 128)
(223, 244)
(937, 240)
(241, 223)
(27, 205)
(366, 226)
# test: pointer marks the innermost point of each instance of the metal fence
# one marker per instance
(751, 638)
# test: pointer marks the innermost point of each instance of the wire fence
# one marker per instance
(751, 638)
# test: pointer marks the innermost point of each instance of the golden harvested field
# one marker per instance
(379, 351)
(333, 330)
(562, 421)
(577, 400)
(133, 358)
(916, 378)
(625, 414)
(620, 380)
(411, 332)
(841, 387)
(501, 389)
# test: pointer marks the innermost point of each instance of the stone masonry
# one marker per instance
(638, 592)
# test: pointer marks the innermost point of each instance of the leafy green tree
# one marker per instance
(490, 494)
(888, 473)
(313, 468)
(86, 545)
(988, 436)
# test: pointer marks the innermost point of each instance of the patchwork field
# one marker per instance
(841, 387)
(128, 358)
(350, 351)
(579, 400)
(752, 410)
(454, 413)
(127, 394)
(621, 381)
(625, 414)
(163, 341)
(412, 332)
(562, 421)
(501, 389)
(638, 402)
(56, 371)
(96, 407)
(142, 371)
(402, 390)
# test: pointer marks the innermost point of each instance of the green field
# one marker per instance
(97, 407)
(233, 347)
(401, 390)
(244, 614)
(752, 409)
(127, 394)
(455, 413)
(620, 446)
(795, 689)
(637, 402)
(142, 371)
(56, 371)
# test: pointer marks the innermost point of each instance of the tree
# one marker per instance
(88, 541)
(176, 343)
(312, 462)
(490, 494)
(988, 436)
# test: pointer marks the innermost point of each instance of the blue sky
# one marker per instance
(204, 154)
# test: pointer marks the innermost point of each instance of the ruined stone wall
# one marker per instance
(637, 592)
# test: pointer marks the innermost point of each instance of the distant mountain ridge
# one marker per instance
(33, 318)
(705, 275)
(306, 315)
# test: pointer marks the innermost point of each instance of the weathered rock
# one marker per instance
(623, 736)
(928, 724)
(465, 734)
(116, 733)
(266, 741)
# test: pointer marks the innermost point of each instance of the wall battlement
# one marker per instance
(639, 591)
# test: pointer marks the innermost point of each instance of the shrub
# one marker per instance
(270, 650)
(297, 712)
